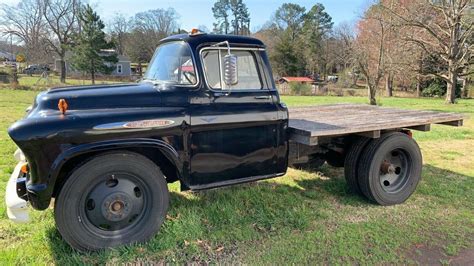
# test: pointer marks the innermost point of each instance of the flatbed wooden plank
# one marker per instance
(343, 119)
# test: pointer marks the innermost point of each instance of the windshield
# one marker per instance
(172, 63)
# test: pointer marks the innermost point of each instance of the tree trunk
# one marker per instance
(389, 85)
(418, 86)
(465, 90)
(93, 77)
(451, 85)
(63, 70)
(371, 89)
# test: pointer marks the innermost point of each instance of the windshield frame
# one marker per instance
(198, 80)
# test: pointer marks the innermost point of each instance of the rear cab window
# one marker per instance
(248, 71)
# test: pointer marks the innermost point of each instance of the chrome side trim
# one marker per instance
(140, 124)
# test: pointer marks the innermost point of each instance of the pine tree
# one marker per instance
(89, 45)
(240, 23)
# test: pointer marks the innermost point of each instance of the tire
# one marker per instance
(390, 169)
(112, 200)
(351, 164)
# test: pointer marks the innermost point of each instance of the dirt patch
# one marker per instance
(426, 255)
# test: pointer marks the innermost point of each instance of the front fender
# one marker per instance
(40, 195)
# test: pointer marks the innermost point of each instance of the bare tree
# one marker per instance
(118, 28)
(443, 29)
(61, 17)
(155, 25)
(370, 49)
(26, 22)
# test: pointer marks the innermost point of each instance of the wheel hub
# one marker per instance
(116, 207)
(115, 203)
(393, 171)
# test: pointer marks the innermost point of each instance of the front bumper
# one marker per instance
(17, 208)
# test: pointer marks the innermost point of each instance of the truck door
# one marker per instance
(237, 133)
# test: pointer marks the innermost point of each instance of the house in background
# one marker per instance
(121, 69)
(284, 83)
(6, 56)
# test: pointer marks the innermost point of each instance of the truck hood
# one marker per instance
(133, 95)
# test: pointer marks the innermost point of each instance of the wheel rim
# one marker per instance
(394, 171)
(117, 202)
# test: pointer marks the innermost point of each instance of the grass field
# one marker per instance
(303, 217)
(35, 82)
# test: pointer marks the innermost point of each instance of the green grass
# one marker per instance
(35, 82)
(303, 217)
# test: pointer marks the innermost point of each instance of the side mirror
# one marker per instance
(230, 70)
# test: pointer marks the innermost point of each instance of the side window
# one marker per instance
(247, 69)
(212, 68)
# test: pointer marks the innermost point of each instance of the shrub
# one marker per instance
(4, 76)
(351, 92)
(297, 88)
(336, 92)
(438, 88)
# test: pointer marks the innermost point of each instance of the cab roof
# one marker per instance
(204, 38)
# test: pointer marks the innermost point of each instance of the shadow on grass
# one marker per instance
(199, 224)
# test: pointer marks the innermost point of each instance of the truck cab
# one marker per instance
(187, 120)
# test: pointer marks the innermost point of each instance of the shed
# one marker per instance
(285, 81)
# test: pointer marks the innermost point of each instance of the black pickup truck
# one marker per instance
(207, 114)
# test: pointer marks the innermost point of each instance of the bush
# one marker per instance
(297, 88)
(336, 92)
(438, 88)
(4, 76)
(351, 92)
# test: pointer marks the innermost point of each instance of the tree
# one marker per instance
(220, 11)
(61, 18)
(151, 26)
(118, 28)
(317, 24)
(240, 23)
(26, 22)
(290, 17)
(370, 48)
(443, 29)
(89, 55)
(288, 54)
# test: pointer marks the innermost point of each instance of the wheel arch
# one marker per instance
(158, 151)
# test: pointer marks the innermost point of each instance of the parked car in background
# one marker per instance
(333, 78)
(9, 64)
(36, 69)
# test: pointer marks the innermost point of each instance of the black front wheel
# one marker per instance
(112, 200)
(390, 169)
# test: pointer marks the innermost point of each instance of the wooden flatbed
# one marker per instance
(309, 125)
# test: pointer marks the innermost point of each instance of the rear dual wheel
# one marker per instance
(112, 200)
(385, 170)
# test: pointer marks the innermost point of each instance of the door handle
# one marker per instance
(267, 97)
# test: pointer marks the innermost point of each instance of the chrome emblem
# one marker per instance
(141, 124)
(148, 123)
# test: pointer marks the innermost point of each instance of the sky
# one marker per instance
(198, 12)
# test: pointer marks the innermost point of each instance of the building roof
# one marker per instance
(296, 79)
